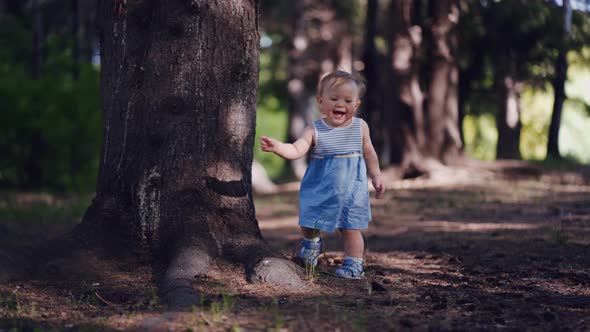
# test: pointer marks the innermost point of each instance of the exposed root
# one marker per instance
(178, 292)
(278, 272)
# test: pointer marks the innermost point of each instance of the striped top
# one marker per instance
(340, 140)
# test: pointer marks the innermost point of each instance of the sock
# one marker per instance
(312, 240)
(358, 260)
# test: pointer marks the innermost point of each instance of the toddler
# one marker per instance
(334, 192)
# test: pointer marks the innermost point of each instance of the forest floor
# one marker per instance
(492, 246)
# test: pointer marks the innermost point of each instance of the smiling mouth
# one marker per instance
(338, 113)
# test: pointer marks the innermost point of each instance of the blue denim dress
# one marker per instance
(334, 191)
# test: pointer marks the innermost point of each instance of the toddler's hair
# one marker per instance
(340, 76)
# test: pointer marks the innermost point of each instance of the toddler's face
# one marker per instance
(339, 102)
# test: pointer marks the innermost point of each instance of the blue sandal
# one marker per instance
(309, 253)
(350, 269)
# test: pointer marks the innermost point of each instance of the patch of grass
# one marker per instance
(277, 316)
(360, 320)
(218, 309)
(560, 236)
(85, 299)
(10, 302)
(42, 208)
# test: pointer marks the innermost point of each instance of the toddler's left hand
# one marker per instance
(379, 188)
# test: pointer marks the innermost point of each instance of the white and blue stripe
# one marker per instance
(339, 140)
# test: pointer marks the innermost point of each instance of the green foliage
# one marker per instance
(480, 136)
(535, 118)
(53, 123)
(480, 130)
(43, 209)
(10, 301)
(575, 120)
(270, 122)
(526, 37)
(271, 115)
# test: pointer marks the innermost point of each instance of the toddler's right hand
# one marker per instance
(268, 144)
(379, 187)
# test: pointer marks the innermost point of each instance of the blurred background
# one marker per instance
(447, 80)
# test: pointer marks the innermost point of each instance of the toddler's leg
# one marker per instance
(354, 246)
(309, 233)
(311, 246)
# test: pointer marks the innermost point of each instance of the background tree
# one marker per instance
(51, 125)
(405, 117)
(442, 119)
(572, 37)
(321, 42)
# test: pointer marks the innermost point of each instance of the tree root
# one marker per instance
(278, 272)
(177, 289)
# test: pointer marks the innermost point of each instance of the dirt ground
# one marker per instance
(498, 246)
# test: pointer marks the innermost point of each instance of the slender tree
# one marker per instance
(559, 84)
(38, 40)
(372, 106)
(33, 169)
(509, 88)
(75, 28)
(179, 116)
(471, 56)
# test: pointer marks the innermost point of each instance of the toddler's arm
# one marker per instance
(372, 162)
(287, 150)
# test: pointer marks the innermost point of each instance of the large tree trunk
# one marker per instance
(508, 117)
(406, 119)
(559, 85)
(179, 107)
(443, 134)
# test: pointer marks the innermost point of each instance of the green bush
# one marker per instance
(51, 127)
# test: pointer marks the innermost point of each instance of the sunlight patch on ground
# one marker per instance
(276, 223)
(551, 285)
(447, 226)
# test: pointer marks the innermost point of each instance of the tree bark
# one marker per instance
(179, 106)
(443, 134)
(34, 176)
(38, 38)
(559, 85)
(75, 17)
(508, 117)
(372, 105)
(406, 118)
